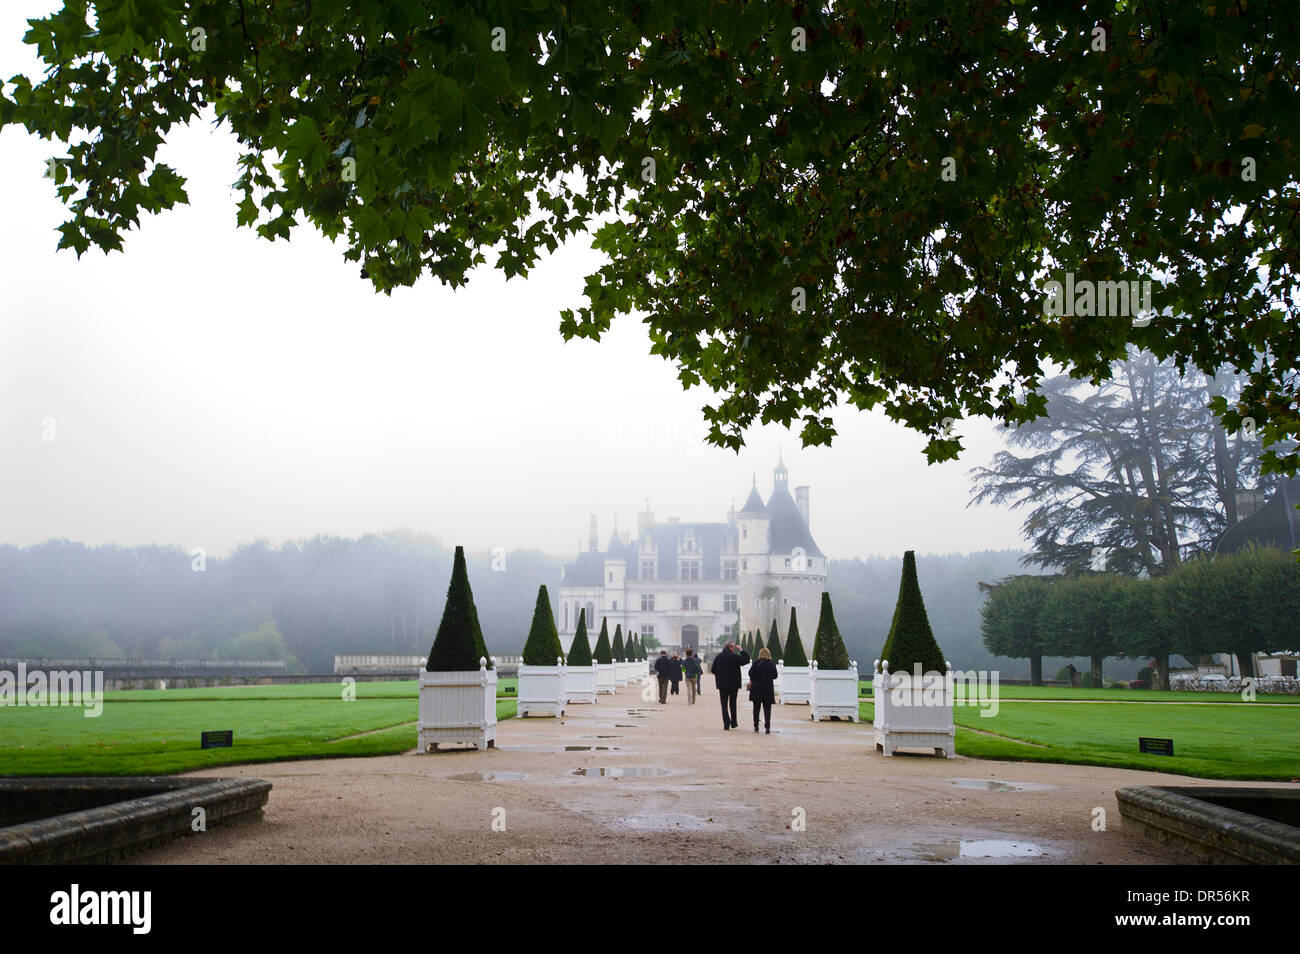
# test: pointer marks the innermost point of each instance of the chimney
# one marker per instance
(644, 520)
(801, 501)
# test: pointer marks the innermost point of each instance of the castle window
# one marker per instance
(647, 569)
(616, 604)
(729, 570)
(730, 601)
(689, 570)
(647, 629)
(647, 602)
(744, 533)
(690, 602)
(611, 572)
(787, 561)
(744, 564)
(566, 615)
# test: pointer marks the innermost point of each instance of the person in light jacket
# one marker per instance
(762, 681)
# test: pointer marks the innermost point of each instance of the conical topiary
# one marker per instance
(774, 643)
(828, 647)
(602, 652)
(458, 645)
(543, 645)
(580, 650)
(910, 639)
(618, 649)
(794, 654)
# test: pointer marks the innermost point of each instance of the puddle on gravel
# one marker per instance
(996, 785)
(983, 848)
(622, 771)
(558, 748)
(488, 777)
(671, 821)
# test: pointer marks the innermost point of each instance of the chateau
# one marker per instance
(685, 584)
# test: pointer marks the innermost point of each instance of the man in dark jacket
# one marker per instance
(692, 669)
(663, 668)
(726, 676)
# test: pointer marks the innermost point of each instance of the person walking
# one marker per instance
(691, 668)
(663, 666)
(675, 673)
(762, 692)
(726, 676)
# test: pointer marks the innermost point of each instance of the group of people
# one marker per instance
(726, 669)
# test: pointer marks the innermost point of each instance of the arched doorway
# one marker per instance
(691, 636)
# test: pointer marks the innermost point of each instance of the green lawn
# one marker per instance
(148, 732)
(1210, 741)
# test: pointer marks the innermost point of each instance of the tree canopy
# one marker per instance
(805, 203)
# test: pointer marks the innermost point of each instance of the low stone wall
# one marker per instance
(1209, 823)
(101, 820)
(1276, 685)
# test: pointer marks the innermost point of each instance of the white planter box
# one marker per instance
(913, 714)
(457, 707)
(541, 690)
(833, 693)
(623, 672)
(792, 684)
(606, 677)
(580, 683)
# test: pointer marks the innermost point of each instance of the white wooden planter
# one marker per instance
(580, 683)
(912, 713)
(542, 689)
(793, 684)
(623, 672)
(606, 677)
(833, 693)
(458, 707)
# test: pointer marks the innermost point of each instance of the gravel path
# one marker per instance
(677, 789)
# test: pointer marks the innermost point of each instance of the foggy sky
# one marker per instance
(208, 387)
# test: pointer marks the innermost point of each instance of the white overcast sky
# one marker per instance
(208, 387)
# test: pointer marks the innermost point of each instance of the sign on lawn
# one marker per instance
(1156, 746)
(218, 740)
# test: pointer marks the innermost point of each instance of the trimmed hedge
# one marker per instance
(794, 654)
(602, 652)
(580, 651)
(910, 639)
(543, 645)
(828, 646)
(618, 649)
(774, 643)
(458, 645)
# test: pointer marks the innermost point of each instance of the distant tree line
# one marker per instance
(1241, 604)
(306, 601)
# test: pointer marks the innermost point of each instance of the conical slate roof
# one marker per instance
(788, 527)
(753, 503)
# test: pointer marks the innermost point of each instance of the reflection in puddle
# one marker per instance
(488, 777)
(984, 848)
(558, 748)
(623, 771)
(591, 748)
(985, 785)
(996, 785)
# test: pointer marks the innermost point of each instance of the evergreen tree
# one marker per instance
(828, 646)
(794, 654)
(618, 649)
(910, 639)
(458, 645)
(543, 645)
(580, 650)
(774, 643)
(602, 652)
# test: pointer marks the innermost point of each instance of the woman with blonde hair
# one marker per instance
(762, 680)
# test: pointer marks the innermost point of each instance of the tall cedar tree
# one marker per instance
(828, 646)
(602, 652)
(910, 639)
(543, 646)
(618, 649)
(580, 649)
(774, 643)
(794, 654)
(459, 645)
